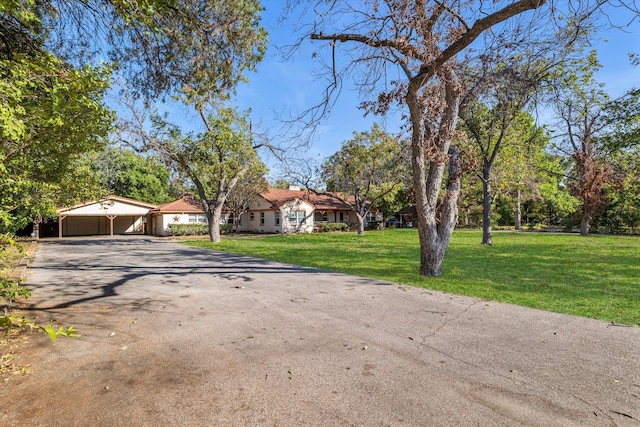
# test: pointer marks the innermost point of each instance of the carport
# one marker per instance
(110, 216)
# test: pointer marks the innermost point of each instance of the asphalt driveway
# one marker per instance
(177, 336)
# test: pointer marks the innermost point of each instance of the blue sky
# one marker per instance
(281, 87)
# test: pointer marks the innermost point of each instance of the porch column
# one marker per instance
(60, 218)
(111, 218)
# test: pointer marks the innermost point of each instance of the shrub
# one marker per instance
(189, 229)
(326, 227)
(197, 229)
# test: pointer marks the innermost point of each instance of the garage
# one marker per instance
(113, 215)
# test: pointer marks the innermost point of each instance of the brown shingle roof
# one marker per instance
(187, 203)
(278, 197)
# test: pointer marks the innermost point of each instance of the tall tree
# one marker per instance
(622, 141)
(492, 129)
(50, 114)
(204, 48)
(368, 169)
(214, 160)
(579, 102)
(425, 44)
(160, 46)
(499, 92)
(521, 162)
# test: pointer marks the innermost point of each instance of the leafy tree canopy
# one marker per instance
(51, 94)
(159, 45)
(214, 160)
(50, 113)
(622, 116)
(430, 46)
(370, 168)
(126, 173)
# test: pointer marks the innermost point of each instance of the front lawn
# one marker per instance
(596, 276)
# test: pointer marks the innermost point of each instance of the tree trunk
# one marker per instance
(431, 252)
(585, 223)
(215, 217)
(518, 214)
(360, 219)
(435, 228)
(486, 204)
(431, 259)
(435, 222)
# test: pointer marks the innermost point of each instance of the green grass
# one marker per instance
(596, 277)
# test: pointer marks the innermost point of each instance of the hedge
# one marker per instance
(332, 226)
(196, 229)
(189, 229)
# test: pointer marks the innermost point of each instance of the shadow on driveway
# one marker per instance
(174, 335)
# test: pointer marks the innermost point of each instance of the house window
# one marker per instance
(321, 216)
(296, 217)
(277, 217)
(261, 218)
(251, 216)
(201, 219)
(371, 217)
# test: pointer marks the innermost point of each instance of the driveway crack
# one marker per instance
(447, 321)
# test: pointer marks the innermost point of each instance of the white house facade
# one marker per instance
(276, 211)
(185, 210)
(294, 210)
(292, 216)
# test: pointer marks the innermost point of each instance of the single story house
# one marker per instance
(279, 211)
(291, 210)
(295, 210)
